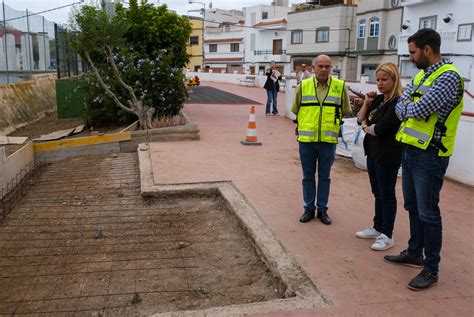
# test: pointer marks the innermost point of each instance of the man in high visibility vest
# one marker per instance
(320, 103)
(429, 109)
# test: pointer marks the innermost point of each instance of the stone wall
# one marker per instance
(27, 101)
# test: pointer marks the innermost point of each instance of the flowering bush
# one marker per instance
(148, 66)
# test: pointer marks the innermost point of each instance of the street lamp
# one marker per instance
(203, 19)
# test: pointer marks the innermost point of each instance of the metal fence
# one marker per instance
(30, 44)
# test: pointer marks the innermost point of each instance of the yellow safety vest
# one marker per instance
(419, 132)
(320, 122)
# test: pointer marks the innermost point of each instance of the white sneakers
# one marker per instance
(382, 242)
(369, 233)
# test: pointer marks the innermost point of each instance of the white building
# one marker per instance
(223, 40)
(324, 29)
(454, 20)
(378, 25)
(265, 37)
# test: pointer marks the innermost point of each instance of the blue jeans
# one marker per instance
(383, 180)
(322, 155)
(423, 172)
(272, 98)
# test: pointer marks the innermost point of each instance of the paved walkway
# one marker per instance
(354, 277)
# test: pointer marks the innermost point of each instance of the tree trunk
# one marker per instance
(145, 115)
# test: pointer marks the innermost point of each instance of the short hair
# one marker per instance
(426, 37)
(392, 70)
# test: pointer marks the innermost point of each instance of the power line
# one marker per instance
(45, 11)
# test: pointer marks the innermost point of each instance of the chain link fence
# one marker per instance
(30, 44)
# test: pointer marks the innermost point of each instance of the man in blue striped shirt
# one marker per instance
(437, 90)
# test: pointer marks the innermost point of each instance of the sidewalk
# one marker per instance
(349, 273)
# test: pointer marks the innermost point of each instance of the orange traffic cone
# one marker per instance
(251, 138)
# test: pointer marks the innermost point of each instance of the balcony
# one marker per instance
(268, 52)
(407, 3)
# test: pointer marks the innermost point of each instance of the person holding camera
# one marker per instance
(380, 123)
(272, 85)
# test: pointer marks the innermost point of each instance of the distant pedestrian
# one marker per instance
(380, 123)
(430, 109)
(320, 103)
(302, 74)
(272, 85)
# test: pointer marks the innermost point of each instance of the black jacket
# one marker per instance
(269, 82)
(383, 147)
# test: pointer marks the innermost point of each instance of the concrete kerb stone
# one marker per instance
(301, 292)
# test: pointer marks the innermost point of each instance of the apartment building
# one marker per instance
(378, 25)
(265, 37)
(323, 29)
(195, 45)
(454, 20)
(224, 41)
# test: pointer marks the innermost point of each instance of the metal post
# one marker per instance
(56, 39)
(44, 48)
(30, 49)
(5, 41)
(203, 30)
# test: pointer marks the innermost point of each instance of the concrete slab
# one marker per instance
(5, 140)
(355, 279)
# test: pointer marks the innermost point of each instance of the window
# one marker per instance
(322, 34)
(395, 3)
(212, 48)
(361, 30)
(252, 41)
(253, 18)
(277, 47)
(194, 40)
(227, 28)
(392, 42)
(297, 37)
(465, 32)
(264, 15)
(374, 27)
(428, 22)
(234, 47)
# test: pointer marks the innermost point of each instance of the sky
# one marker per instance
(180, 6)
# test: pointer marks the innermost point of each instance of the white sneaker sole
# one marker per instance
(366, 237)
(376, 248)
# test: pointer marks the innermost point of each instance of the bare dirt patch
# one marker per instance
(84, 241)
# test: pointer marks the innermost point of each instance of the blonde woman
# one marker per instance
(380, 123)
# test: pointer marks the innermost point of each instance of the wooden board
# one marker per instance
(55, 135)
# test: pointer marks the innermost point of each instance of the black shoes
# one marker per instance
(307, 216)
(404, 259)
(323, 216)
(423, 281)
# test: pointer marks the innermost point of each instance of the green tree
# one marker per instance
(133, 72)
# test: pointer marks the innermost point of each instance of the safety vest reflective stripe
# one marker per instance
(331, 133)
(306, 133)
(308, 98)
(417, 134)
(424, 89)
(334, 99)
